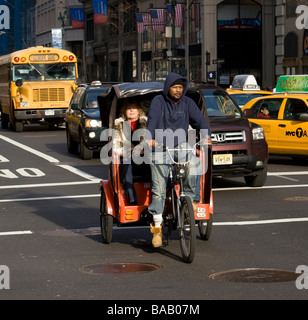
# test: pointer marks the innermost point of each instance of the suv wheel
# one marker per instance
(257, 181)
(85, 152)
(72, 146)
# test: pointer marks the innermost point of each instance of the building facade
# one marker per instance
(17, 25)
(291, 33)
(214, 40)
(233, 36)
(53, 17)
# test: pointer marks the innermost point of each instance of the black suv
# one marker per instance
(83, 122)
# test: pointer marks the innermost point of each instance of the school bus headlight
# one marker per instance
(24, 104)
(258, 134)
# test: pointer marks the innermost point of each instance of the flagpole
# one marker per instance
(173, 3)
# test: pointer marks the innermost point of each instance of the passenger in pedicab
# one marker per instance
(132, 119)
(171, 110)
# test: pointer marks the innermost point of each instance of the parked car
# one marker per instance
(286, 123)
(239, 147)
(83, 122)
(245, 88)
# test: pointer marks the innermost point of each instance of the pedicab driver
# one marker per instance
(170, 111)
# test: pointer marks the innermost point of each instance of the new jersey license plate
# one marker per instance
(221, 159)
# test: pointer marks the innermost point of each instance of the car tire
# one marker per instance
(4, 121)
(72, 146)
(85, 152)
(257, 180)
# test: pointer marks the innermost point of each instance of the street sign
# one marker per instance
(218, 61)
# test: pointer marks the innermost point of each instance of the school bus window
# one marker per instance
(41, 72)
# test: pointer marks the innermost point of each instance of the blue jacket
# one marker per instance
(165, 114)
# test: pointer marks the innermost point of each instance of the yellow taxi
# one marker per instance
(283, 116)
(245, 88)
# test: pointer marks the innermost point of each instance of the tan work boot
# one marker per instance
(157, 240)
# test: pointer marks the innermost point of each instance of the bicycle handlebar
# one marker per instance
(191, 149)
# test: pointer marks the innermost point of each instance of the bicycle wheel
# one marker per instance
(205, 228)
(106, 220)
(187, 230)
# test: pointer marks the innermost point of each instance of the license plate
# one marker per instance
(49, 112)
(221, 159)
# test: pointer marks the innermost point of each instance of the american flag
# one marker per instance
(147, 21)
(158, 19)
(143, 22)
(178, 14)
(140, 22)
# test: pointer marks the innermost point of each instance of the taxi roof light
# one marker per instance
(245, 82)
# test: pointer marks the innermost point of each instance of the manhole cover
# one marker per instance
(296, 198)
(121, 268)
(255, 275)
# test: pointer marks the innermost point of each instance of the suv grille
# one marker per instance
(228, 137)
(48, 94)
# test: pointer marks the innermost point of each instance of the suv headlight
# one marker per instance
(92, 123)
(258, 133)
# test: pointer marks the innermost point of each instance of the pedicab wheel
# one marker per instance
(188, 230)
(205, 228)
(106, 220)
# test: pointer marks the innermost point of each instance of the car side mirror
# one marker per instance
(303, 117)
(75, 106)
(248, 113)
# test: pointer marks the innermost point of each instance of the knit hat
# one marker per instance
(180, 81)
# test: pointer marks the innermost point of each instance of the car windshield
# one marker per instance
(44, 72)
(242, 99)
(91, 98)
(219, 104)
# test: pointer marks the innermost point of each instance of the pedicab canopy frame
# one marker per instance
(110, 104)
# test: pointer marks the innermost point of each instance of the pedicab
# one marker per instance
(115, 208)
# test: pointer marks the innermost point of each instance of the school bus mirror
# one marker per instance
(19, 83)
(78, 81)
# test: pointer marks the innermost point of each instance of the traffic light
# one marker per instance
(208, 58)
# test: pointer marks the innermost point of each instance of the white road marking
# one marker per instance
(49, 159)
(261, 188)
(52, 198)
(15, 233)
(31, 150)
(47, 185)
(78, 172)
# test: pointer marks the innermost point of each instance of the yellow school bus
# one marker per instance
(36, 85)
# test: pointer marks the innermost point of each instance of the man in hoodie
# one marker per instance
(169, 117)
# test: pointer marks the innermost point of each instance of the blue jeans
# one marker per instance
(160, 175)
(126, 176)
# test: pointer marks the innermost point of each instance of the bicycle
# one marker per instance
(180, 213)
